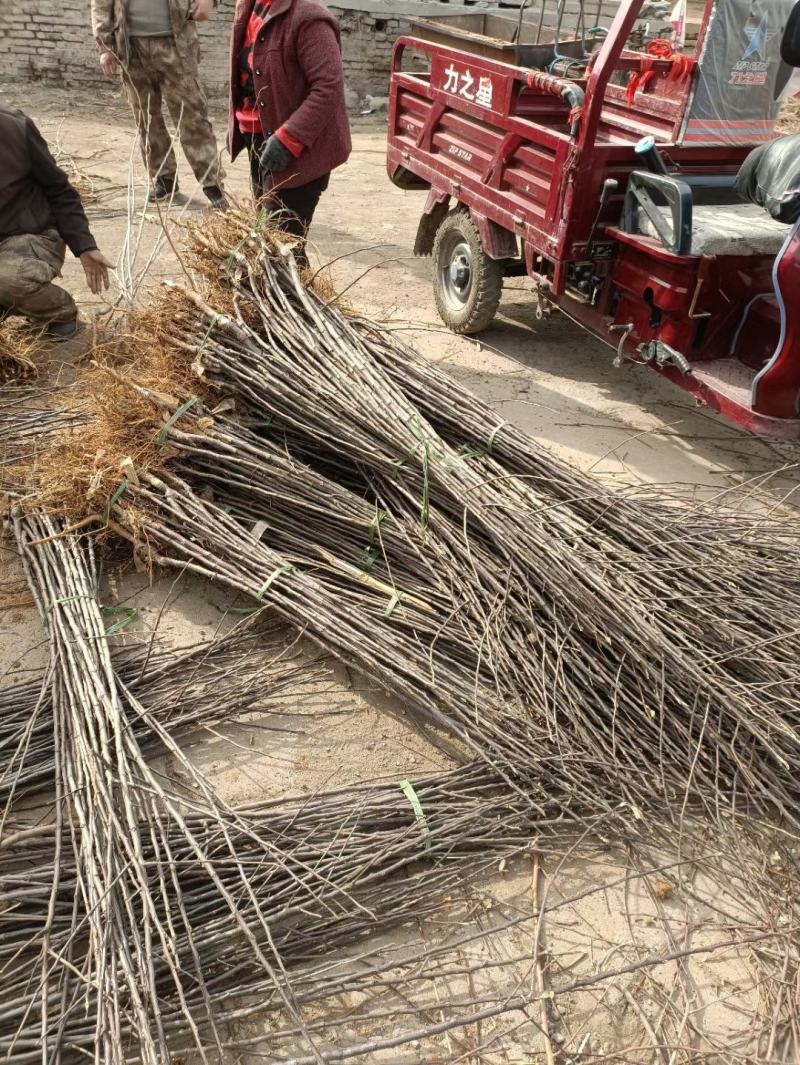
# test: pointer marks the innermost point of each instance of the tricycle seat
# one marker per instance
(770, 177)
(738, 229)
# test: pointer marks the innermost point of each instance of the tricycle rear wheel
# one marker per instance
(467, 284)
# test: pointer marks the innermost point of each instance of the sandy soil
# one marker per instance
(558, 384)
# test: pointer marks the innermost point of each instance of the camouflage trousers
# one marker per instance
(158, 74)
(28, 264)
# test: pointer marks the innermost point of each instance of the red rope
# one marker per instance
(638, 80)
(659, 48)
(540, 79)
(681, 64)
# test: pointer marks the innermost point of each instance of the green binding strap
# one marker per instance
(494, 433)
(260, 221)
(392, 604)
(204, 341)
(279, 572)
(67, 599)
(371, 555)
(121, 487)
(130, 615)
(419, 813)
(467, 452)
(179, 413)
(375, 524)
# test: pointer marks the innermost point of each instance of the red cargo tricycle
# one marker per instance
(603, 165)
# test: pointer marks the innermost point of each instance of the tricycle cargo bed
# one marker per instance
(505, 38)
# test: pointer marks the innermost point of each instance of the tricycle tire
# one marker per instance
(467, 284)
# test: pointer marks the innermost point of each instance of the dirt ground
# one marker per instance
(624, 425)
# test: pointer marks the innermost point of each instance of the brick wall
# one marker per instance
(367, 40)
(50, 42)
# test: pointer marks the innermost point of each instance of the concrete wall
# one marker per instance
(50, 41)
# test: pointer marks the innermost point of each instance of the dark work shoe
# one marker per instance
(61, 330)
(216, 197)
(162, 188)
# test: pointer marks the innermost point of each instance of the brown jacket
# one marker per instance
(35, 193)
(299, 84)
(110, 27)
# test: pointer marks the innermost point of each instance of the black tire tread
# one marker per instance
(487, 273)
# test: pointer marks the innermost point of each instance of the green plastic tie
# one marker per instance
(467, 452)
(494, 433)
(375, 524)
(392, 604)
(263, 215)
(413, 425)
(262, 218)
(427, 451)
(179, 413)
(279, 572)
(115, 495)
(371, 555)
(419, 813)
(67, 599)
(130, 612)
(425, 510)
(399, 463)
(207, 334)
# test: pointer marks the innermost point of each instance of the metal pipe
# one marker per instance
(573, 94)
(604, 67)
(541, 23)
(518, 31)
(609, 185)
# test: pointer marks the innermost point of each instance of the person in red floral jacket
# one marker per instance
(287, 105)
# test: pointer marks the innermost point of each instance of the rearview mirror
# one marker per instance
(790, 44)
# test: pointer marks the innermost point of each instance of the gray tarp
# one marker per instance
(741, 77)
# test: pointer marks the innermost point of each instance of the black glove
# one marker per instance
(273, 156)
